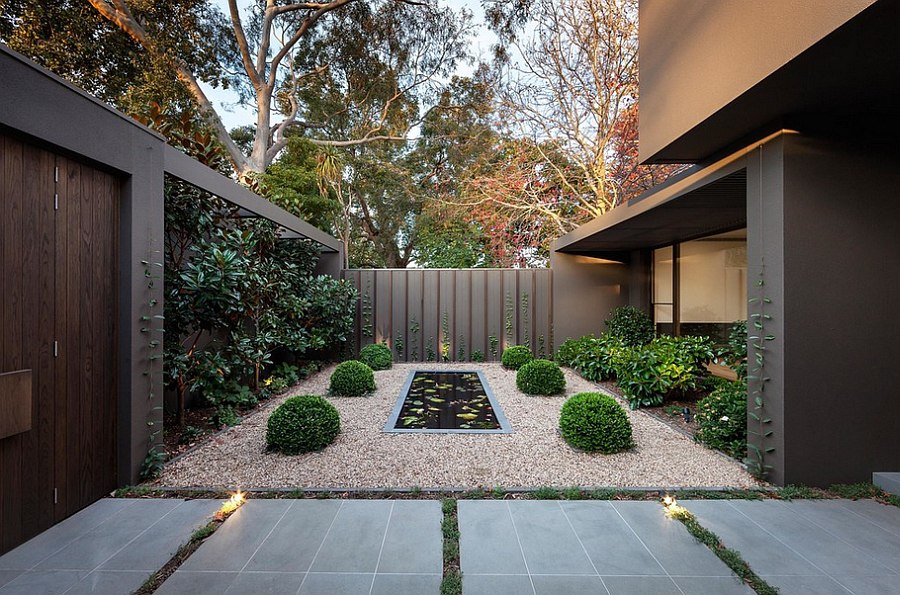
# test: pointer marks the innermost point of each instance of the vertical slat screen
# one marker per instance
(458, 311)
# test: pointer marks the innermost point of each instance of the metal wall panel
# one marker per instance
(431, 309)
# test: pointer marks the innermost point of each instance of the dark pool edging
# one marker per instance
(505, 427)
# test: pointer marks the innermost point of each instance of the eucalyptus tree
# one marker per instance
(284, 50)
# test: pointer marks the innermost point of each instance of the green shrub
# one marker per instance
(648, 374)
(599, 359)
(352, 379)
(477, 355)
(734, 353)
(595, 422)
(571, 348)
(516, 356)
(631, 325)
(377, 356)
(541, 377)
(302, 424)
(722, 419)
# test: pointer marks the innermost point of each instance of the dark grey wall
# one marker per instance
(585, 290)
(822, 217)
(55, 115)
(697, 56)
(842, 293)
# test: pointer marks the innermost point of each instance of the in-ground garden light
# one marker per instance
(447, 402)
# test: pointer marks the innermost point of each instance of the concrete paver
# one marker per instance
(319, 546)
(110, 547)
(558, 547)
(811, 546)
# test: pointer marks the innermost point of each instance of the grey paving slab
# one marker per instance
(101, 543)
(640, 585)
(806, 585)
(44, 545)
(870, 585)
(488, 542)
(8, 575)
(293, 543)
(48, 582)
(749, 538)
(497, 584)
(566, 584)
(826, 550)
(889, 482)
(885, 516)
(235, 542)
(337, 582)
(354, 541)
(548, 541)
(867, 537)
(109, 583)
(413, 543)
(265, 583)
(669, 542)
(186, 582)
(608, 540)
(159, 542)
(406, 584)
(711, 585)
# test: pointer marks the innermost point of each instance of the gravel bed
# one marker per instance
(534, 455)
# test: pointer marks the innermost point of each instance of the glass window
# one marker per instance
(713, 280)
(663, 271)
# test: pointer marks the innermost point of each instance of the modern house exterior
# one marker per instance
(790, 217)
(81, 190)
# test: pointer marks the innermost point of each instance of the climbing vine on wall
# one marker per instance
(152, 329)
(759, 422)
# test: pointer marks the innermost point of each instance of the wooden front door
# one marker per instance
(58, 270)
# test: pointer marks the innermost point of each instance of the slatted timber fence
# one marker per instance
(449, 314)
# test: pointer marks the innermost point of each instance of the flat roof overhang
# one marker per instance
(848, 77)
(249, 204)
(699, 202)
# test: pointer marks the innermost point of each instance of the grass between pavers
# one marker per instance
(731, 558)
(791, 492)
(184, 552)
(451, 583)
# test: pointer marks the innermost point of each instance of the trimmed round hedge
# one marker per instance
(515, 357)
(302, 424)
(377, 356)
(352, 379)
(595, 422)
(541, 377)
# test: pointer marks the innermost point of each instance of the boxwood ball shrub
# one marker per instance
(596, 423)
(352, 379)
(541, 377)
(722, 419)
(377, 356)
(302, 424)
(516, 356)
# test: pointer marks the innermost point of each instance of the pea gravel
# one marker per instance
(533, 455)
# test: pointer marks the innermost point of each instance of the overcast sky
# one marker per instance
(235, 115)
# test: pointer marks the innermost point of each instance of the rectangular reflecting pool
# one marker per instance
(447, 401)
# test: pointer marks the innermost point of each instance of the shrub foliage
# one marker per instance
(631, 325)
(596, 423)
(352, 379)
(722, 419)
(541, 377)
(377, 356)
(302, 424)
(516, 356)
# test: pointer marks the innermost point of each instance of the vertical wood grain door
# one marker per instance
(58, 294)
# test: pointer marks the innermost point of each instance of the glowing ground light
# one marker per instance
(233, 503)
(671, 505)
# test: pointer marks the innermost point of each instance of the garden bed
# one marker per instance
(363, 456)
